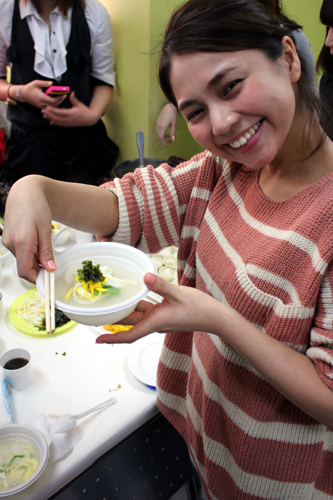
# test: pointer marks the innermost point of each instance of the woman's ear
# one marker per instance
(291, 59)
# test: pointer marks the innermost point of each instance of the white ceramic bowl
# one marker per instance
(4, 252)
(33, 436)
(106, 253)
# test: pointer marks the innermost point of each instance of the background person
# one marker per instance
(66, 43)
(325, 62)
(245, 373)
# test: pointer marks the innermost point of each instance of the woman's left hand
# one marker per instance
(79, 115)
(183, 309)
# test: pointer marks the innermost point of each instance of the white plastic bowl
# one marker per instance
(33, 436)
(106, 253)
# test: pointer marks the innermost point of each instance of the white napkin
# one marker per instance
(60, 445)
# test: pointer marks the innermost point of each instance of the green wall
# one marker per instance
(138, 27)
(306, 13)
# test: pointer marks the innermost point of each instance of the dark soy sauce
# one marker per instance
(15, 363)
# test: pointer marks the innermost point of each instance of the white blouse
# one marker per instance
(50, 46)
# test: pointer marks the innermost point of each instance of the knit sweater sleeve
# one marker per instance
(321, 335)
(152, 204)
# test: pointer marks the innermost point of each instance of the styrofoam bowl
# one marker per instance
(33, 436)
(105, 253)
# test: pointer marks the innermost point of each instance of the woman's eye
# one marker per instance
(230, 86)
(194, 114)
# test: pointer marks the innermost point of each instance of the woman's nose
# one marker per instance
(329, 38)
(222, 120)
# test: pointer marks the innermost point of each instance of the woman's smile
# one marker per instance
(246, 142)
(245, 138)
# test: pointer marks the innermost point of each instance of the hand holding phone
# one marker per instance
(55, 91)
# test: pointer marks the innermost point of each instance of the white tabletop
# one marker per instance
(73, 383)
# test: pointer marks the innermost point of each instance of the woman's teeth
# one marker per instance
(245, 138)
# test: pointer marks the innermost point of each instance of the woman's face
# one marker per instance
(329, 39)
(238, 105)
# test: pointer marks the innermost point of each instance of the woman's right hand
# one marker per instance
(28, 228)
(33, 94)
(35, 200)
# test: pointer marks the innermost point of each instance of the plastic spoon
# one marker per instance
(139, 140)
(67, 422)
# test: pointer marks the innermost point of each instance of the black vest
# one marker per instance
(21, 54)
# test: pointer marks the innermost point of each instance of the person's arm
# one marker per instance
(186, 309)
(80, 115)
(165, 120)
(31, 93)
(34, 201)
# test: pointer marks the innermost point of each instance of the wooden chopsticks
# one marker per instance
(49, 298)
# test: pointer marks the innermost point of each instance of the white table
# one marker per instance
(72, 384)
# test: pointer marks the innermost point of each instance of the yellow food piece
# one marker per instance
(90, 287)
(117, 328)
(69, 293)
(87, 290)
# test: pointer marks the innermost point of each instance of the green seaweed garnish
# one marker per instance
(89, 272)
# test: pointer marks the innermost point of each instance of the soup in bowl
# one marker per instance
(99, 283)
(24, 453)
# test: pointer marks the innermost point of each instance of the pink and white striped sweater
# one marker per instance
(270, 261)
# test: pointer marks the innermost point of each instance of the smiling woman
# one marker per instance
(246, 370)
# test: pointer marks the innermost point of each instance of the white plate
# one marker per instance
(143, 357)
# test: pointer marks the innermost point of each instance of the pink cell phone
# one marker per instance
(55, 91)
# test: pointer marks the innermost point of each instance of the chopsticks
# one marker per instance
(49, 297)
